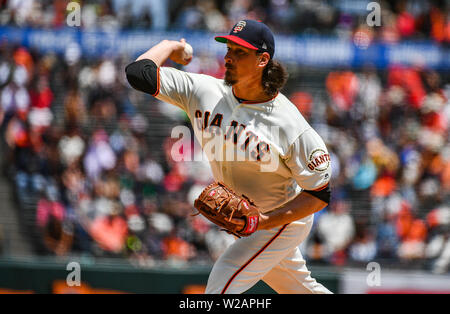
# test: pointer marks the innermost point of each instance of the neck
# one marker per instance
(251, 90)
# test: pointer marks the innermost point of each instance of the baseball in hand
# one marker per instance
(188, 52)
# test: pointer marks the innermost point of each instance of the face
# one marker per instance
(242, 63)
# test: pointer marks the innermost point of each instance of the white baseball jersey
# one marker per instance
(266, 151)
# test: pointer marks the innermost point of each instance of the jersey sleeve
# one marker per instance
(309, 161)
(176, 87)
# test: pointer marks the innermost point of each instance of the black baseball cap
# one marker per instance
(251, 34)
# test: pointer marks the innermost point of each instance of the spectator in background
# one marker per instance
(176, 249)
(342, 87)
(316, 250)
(387, 241)
(189, 17)
(71, 147)
(304, 102)
(154, 11)
(49, 206)
(414, 245)
(99, 156)
(441, 264)
(412, 233)
(367, 108)
(56, 230)
(363, 248)
(336, 228)
(438, 245)
(110, 233)
(58, 236)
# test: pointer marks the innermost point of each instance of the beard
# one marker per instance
(229, 79)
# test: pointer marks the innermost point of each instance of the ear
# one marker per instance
(264, 59)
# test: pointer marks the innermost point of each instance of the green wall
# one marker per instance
(38, 275)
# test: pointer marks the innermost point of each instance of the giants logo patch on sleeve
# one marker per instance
(319, 160)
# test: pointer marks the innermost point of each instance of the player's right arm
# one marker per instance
(147, 75)
(143, 73)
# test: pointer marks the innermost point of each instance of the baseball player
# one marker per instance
(260, 126)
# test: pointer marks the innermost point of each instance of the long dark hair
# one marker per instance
(274, 77)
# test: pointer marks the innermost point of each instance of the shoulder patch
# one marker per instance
(319, 160)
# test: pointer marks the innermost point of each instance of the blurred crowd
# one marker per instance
(90, 158)
(405, 19)
(389, 138)
(82, 159)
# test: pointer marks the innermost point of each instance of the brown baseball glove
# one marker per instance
(220, 204)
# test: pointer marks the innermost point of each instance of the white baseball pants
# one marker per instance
(271, 255)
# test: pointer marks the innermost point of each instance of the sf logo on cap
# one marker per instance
(239, 26)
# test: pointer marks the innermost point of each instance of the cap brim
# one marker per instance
(236, 40)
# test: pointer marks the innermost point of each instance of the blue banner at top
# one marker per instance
(303, 50)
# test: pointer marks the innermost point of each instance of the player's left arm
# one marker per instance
(310, 164)
(300, 207)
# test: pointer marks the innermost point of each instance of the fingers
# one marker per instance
(185, 61)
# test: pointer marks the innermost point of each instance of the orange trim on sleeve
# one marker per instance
(157, 83)
(322, 187)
